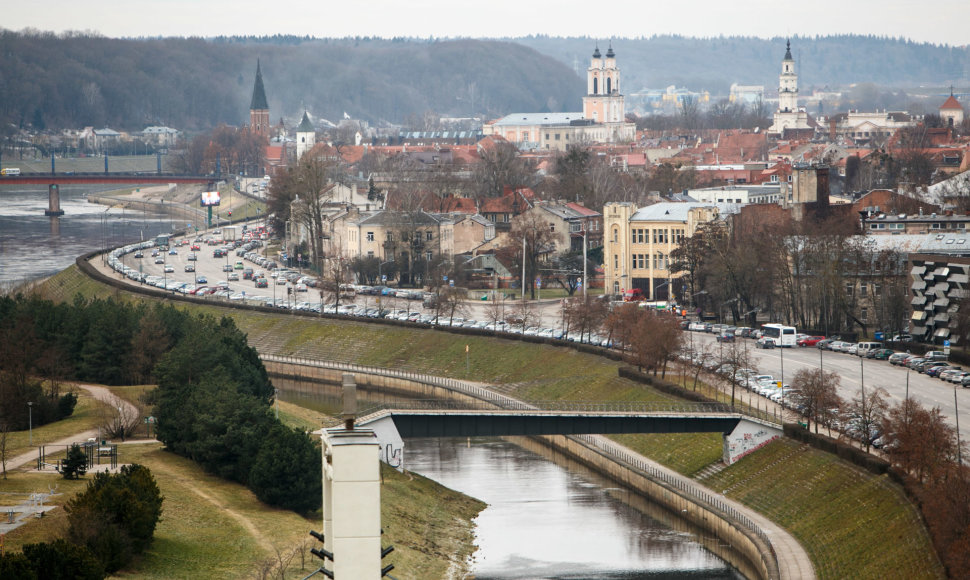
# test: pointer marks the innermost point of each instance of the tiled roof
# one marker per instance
(951, 103)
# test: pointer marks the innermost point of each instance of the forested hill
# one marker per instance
(715, 63)
(74, 80)
(71, 81)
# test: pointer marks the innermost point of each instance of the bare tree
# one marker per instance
(816, 393)
(4, 431)
(539, 241)
(867, 414)
(119, 422)
(919, 440)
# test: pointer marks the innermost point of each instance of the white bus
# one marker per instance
(10, 171)
(782, 335)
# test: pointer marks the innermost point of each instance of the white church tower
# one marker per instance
(603, 102)
(789, 121)
(306, 136)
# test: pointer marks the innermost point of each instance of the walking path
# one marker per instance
(100, 393)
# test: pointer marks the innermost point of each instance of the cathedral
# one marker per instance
(602, 120)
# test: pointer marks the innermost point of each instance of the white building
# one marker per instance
(789, 120)
(603, 119)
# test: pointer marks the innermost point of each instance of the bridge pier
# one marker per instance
(53, 201)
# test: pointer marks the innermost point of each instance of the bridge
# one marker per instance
(53, 181)
(351, 480)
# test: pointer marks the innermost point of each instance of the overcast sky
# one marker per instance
(936, 21)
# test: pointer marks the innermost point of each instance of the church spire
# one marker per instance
(259, 93)
(788, 51)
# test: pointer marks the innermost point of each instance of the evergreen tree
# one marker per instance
(75, 464)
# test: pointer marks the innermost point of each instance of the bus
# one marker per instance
(782, 335)
(10, 171)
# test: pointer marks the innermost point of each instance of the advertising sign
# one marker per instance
(210, 198)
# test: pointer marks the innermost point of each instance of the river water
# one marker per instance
(33, 245)
(549, 517)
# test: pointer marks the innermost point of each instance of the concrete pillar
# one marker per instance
(352, 502)
(53, 201)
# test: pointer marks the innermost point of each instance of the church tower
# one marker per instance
(603, 102)
(788, 84)
(306, 136)
(259, 108)
(789, 121)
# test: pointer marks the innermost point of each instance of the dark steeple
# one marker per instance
(259, 93)
(305, 125)
(788, 51)
(596, 53)
(609, 52)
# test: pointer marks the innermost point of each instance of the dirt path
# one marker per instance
(242, 519)
(100, 393)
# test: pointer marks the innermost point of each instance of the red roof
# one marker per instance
(951, 103)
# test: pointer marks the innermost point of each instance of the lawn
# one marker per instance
(212, 528)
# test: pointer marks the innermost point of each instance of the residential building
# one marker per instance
(639, 242)
(161, 136)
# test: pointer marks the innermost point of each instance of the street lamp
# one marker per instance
(721, 313)
(30, 421)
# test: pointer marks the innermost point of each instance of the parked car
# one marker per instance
(765, 342)
(935, 355)
(824, 344)
(899, 358)
(809, 340)
(725, 337)
(880, 353)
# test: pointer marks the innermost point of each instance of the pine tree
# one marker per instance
(75, 464)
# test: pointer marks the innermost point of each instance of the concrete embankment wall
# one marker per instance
(749, 552)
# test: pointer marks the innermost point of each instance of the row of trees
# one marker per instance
(815, 273)
(109, 523)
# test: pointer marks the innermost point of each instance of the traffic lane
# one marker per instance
(855, 371)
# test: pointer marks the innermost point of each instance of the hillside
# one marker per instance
(72, 80)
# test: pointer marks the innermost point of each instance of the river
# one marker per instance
(549, 517)
(33, 245)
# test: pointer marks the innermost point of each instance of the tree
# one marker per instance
(539, 240)
(499, 168)
(867, 413)
(815, 393)
(62, 560)
(286, 471)
(116, 515)
(75, 464)
(654, 340)
(919, 440)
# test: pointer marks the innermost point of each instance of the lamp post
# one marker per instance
(723, 304)
(30, 421)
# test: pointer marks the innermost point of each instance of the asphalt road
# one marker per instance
(856, 372)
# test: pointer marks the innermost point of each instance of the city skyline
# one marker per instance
(936, 21)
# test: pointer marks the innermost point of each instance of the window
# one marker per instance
(616, 262)
(863, 289)
(370, 254)
(557, 136)
(428, 256)
(616, 287)
(389, 236)
(552, 227)
(848, 289)
(616, 235)
(428, 236)
(547, 136)
(370, 236)
(864, 315)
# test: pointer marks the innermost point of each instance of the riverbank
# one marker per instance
(831, 517)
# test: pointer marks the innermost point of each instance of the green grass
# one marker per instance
(853, 524)
(211, 528)
(85, 416)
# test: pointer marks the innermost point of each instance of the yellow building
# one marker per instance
(639, 242)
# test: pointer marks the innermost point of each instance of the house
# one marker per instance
(161, 136)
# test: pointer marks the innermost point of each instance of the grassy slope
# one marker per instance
(854, 524)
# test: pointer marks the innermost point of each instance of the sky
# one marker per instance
(934, 21)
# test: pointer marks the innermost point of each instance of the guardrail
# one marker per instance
(604, 444)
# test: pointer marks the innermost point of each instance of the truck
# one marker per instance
(229, 233)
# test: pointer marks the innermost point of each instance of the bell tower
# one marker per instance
(259, 107)
(788, 84)
(603, 102)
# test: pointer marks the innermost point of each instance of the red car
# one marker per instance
(810, 340)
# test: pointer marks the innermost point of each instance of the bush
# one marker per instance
(115, 517)
(62, 560)
(286, 472)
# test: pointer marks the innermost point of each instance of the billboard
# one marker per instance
(210, 198)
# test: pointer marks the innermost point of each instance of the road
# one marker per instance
(855, 372)
(549, 311)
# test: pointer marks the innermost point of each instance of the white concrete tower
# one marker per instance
(306, 136)
(788, 84)
(603, 102)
